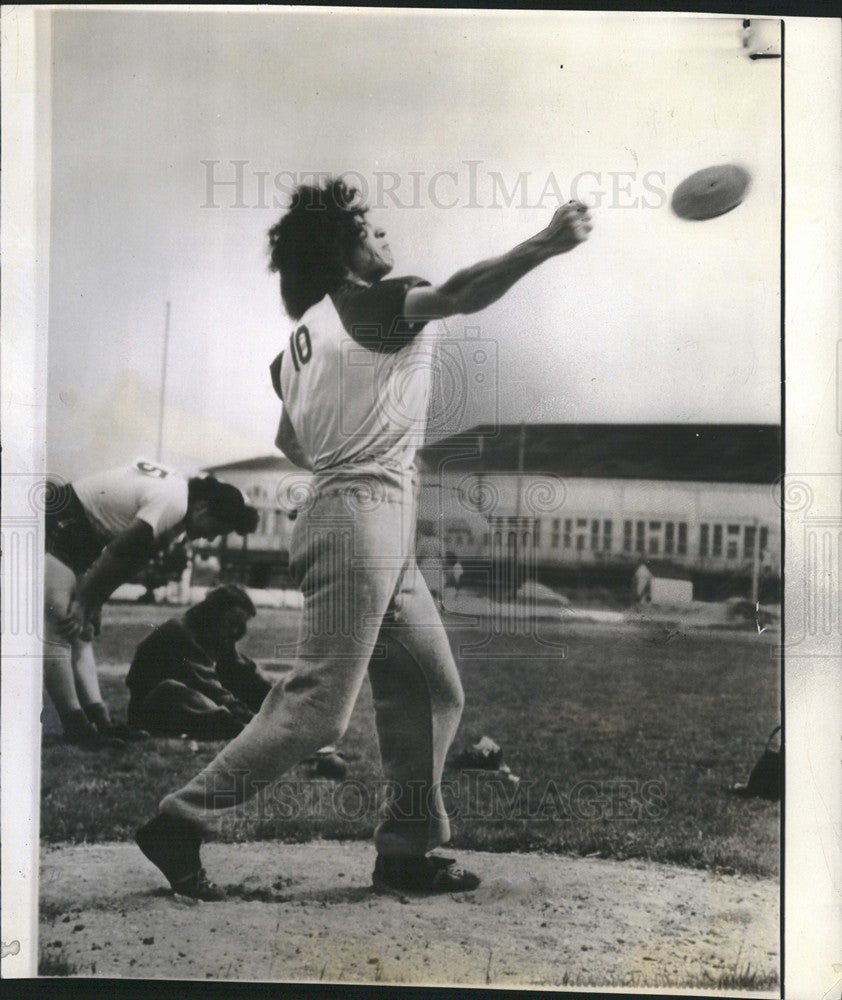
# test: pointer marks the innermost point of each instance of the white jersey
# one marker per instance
(356, 386)
(145, 490)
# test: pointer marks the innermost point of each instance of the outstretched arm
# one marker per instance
(476, 287)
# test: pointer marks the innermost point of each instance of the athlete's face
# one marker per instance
(371, 259)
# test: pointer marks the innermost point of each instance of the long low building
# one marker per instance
(574, 497)
(704, 496)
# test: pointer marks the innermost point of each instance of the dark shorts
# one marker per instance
(70, 536)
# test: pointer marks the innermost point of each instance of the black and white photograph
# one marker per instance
(421, 552)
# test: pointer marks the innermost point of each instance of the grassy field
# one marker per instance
(625, 743)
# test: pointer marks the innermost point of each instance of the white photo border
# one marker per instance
(812, 887)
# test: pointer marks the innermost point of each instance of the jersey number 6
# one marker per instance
(300, 347)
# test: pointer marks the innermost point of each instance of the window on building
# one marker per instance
(732, 548)
(568, 532)
(607, 528)
(640, 537)
(627, 536)
(749, 540)
(580, 543)
(654, 537)
(581, 522)
(682, 539)
(717, 540)
(764, 540)
(704, 539)
(556, 533)
(594, 536)
(669, 538)
(456, 539)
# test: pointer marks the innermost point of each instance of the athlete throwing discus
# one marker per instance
(354, 378)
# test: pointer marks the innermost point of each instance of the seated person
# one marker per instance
(187, 676)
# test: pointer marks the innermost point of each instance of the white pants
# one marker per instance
(366, 610)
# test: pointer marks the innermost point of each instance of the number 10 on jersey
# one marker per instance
(300, 347)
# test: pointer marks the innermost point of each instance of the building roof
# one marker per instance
(718, 453)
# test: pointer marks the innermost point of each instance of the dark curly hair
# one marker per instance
(219, 600)
(310, 244)
(225, 501)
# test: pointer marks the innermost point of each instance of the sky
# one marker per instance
(176, 137)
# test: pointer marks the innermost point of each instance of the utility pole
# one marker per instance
(163, 384)
(755, 566)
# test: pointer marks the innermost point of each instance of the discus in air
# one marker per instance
(710, 192)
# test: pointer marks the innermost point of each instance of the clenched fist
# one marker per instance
(568, 227)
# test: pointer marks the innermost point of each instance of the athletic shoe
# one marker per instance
(172, 845)
(199, 886)
(424, 873)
